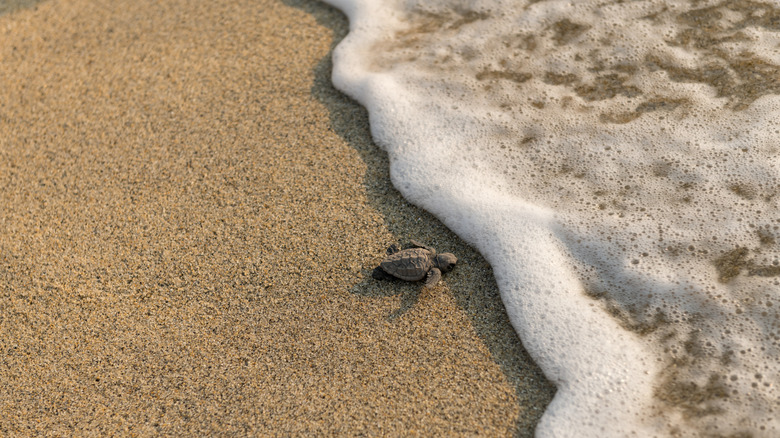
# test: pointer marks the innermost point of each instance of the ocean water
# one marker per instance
(618, 164)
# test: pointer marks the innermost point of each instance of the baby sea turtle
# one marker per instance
(414, 263)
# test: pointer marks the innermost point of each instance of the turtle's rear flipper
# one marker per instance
(380, 274)
(434, 275)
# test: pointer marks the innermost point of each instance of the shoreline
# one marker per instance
(191, 215)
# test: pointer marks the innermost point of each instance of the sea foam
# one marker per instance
(618, 164)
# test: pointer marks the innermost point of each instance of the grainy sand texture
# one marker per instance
(189, 216)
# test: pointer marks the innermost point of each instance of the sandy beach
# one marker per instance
(189, 217)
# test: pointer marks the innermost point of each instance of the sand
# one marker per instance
(189, 216)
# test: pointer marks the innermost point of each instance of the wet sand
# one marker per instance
(189, 216)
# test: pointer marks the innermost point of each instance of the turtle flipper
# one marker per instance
(380, 274)
(434, 275)
(416, 244)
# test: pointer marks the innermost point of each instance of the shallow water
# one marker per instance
(618, 164)
(8, 6)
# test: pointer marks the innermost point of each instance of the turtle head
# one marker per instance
(445, 261)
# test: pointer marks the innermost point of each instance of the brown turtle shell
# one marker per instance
(409, 264)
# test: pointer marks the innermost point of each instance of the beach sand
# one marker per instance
(189, 217)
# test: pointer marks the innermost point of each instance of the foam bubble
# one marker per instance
(617, 164)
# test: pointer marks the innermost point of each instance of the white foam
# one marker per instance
(617, 164)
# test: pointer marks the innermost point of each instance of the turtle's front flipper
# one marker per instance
(416, 244)
(434, 275)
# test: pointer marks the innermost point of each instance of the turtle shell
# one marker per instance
(409, 264)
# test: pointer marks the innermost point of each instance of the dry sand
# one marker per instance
(189, 215)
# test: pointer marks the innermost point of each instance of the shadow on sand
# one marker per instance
(484, 307)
